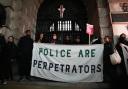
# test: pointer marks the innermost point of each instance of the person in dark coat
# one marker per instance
(11, 55)
(109, 69)
(121, 69)
(3, 64)
(25, 46)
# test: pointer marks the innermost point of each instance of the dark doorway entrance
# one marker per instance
(2, 15)
(64, 18)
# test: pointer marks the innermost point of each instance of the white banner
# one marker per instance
(68, 63)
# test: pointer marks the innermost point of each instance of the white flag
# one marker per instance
(125, 54)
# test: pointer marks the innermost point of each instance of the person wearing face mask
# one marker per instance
(54, 39)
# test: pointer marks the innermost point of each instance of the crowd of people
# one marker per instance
(57, 39)
(22, 54)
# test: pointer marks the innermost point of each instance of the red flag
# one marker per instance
(90, 29)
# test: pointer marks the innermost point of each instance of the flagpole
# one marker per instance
(89, 39)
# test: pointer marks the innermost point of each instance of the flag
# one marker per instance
(90, 29)
(125, 54)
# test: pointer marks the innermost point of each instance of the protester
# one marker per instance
(77, 40)
(67, 40)
(54, 39)
(109, 69)
(121, 69)
(25, 46)
(3, 64)
(11, 55)
(40, 38)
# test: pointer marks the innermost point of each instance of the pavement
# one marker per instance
(53, 85)
(46, 84)
(37, 83)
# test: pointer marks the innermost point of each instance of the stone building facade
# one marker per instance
(22, 15)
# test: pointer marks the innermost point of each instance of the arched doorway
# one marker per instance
(2, 15)
(72, 23)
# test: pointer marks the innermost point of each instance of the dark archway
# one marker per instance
(73, 22)
(2, 15)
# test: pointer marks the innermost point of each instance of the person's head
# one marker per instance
(28, 32)
(67, 37)
(107, 39)
(122, 38)
(54, 36)
(10, 39)
(41, 35)
(78, 39)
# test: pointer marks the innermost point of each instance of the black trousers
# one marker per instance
(24, 67)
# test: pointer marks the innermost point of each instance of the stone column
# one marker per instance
(24, 16)
(29, 15)
(6, 30)
(104, 19)
(15, 18)
(21, 16)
